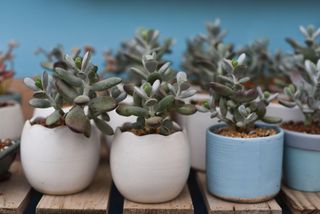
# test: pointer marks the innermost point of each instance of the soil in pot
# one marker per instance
(313, 128)
(42, 121)
(257, 132)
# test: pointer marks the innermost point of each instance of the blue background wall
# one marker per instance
(104, 24)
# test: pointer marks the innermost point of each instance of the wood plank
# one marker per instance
(15, 192)
(301, 202)
(217, 206)
(18, 85)
(181, 205)
(93, 200)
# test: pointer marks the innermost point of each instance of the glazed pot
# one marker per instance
(11, 95)
(58, 161)
(302, 161)
(6, 158)
(11, 122)
(196, 126)
(151, 168)
(244, 169)
(286, 114)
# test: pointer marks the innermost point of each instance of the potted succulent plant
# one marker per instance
(145, 41)
(8, 150)
(203, 60)
(244, 159)
(302, 139)
(64, 143)
(55, 57)
(270, 72)
(154, 147)
(11, 122)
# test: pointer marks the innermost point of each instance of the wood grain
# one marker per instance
(181, 205)
(217, 206)
(301, 202)
(18, 86)
(15, 192)
(94, 200)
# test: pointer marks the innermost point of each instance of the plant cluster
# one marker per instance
(56, 55)
(232, 103)
(305, 93)
(203, 58)
(6, 74)
(145, 41)
(160, 93)
(75, 82)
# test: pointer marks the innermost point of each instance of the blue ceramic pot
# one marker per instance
(16, 96)
(244, 170)
(301, 166)
(6, 158)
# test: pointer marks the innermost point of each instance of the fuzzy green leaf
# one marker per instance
(78, 122)
(106, 84)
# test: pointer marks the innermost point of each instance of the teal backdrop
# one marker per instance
(103, 24)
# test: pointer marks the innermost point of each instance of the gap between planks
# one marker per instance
(181, 205)
(15, 192)
(301, 202)
(217, 206)
(93, 200)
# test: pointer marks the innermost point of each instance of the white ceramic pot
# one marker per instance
(151, 168)
(11, 121)
(117, 120)
(196, 126)
(287, 114)
(58, 161)
(45, 112)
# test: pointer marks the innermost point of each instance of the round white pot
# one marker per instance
(11, 121)
(151, 168)
(117, 120)
(58, 161)
(196, 126)
(287, 114)
(45, 112)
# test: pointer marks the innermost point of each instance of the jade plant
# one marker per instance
(56, 55)
(305, 93)
(160, 93)
(203, 58)
(6, 74)
(144, 42)
(77, 84)
(234, 104)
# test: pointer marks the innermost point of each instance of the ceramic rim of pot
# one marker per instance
(11, 95)
(309, 142)
(279, 130)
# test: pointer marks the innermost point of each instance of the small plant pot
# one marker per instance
(196, 126)
(118, 120)
(58, 161)
(246, 170)
(286, 114)
(11, 121)
(302, 161)
(11, 95)
(7, 156)
(151, 168)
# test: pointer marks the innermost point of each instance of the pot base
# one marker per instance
(246, 200)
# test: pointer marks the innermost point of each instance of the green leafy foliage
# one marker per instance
(305, 93)
(129, 55)
(234, 104)
(76, 84)
(203, 58)
(160, 93)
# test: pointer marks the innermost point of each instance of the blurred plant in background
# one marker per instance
(145, 41)
(203, 58)
(6, 74)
